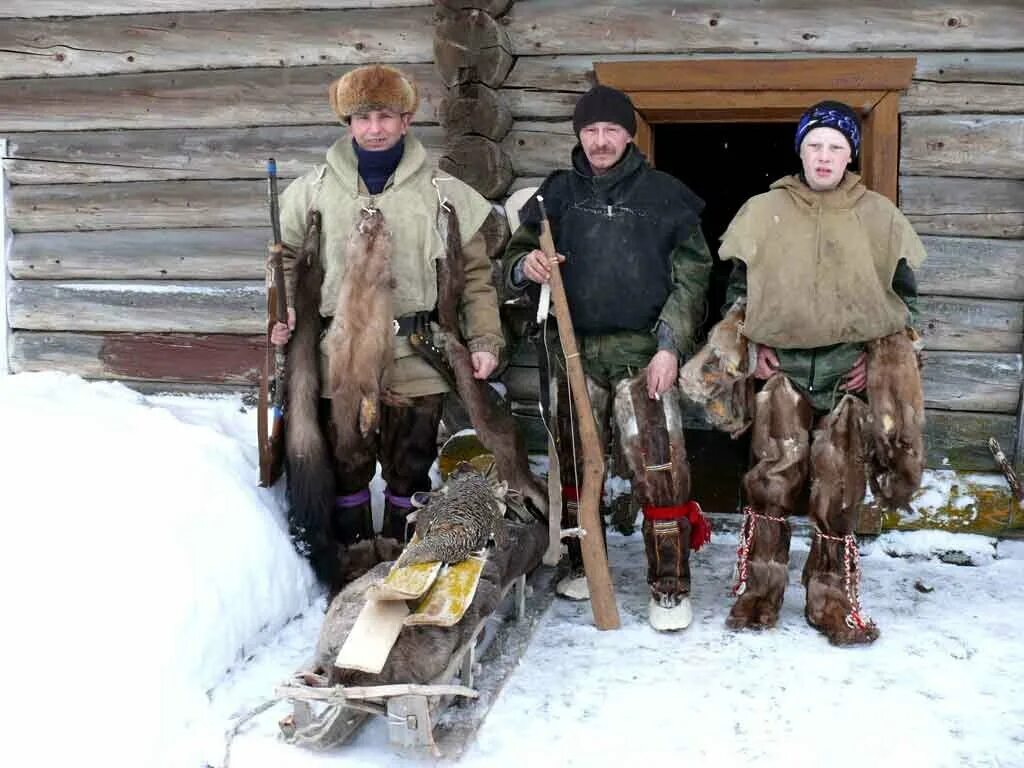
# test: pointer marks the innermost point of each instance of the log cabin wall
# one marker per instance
(961, 158)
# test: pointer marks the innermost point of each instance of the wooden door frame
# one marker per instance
(771, 90)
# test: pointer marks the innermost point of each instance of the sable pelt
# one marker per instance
(837, 468)
(896, 419)
(422, 653)
(361, 340)
(717, 377)
(780, 444)
(650, 435)
(308, 458)
(493, 423)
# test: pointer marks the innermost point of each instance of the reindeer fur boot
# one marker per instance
(832, 579)
(667, 544)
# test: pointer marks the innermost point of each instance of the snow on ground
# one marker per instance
(152, 596)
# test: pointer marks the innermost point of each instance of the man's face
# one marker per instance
(604, 144)
(378, 129)
(825, 153)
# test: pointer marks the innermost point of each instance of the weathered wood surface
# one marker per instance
(41, 8)
(230, 306)
(56, 157)
(214, 359)
(967, 207)
(492, 7)
(987, 146)
(538, 152)
(966, 381)
(190, 99)
(475, 108)
(472, 46)
(99, 45)
(655, 26)
(142, 254)
(923, 96)
(971, 325)
(972, 267)
(959, 440)
(480, 162)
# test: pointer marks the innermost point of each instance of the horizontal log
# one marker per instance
(538, 152)
(665, 26)
(212, 359)
(41, 8)
(986, 146)
(138, 307)
(141, 254)
(474, 108)
(972, 267)
(966, 207)
(101, 45)
(480, 162)
(472, 46)
(924, 96)
(223, 98)
(971, 325)
(959, 439)
(57, 157)
(964, 381)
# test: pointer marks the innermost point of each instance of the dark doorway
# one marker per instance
(725, 164)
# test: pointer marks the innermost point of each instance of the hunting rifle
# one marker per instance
(270, 414)
(595, 560)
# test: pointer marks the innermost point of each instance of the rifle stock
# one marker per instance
(595, 560)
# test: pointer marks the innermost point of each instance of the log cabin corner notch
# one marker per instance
(777, 90)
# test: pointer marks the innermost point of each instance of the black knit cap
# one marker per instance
(604, 104)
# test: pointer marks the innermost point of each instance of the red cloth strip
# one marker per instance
(700, 528)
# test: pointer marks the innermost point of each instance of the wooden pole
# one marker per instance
(595, 560)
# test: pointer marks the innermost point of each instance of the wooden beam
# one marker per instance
(644, 138)
(986, 146)
(826, 74)
(972, 267)
(652, 103)
(42, 8)
(880, 148)
(964, 207)
(5, 246)
(965, 381)
(968, 98)
(971, 325)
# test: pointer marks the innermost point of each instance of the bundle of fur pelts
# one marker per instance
(421, 653)
(717, 376)
(895, 419)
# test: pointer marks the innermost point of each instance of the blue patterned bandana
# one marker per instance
(830, 114)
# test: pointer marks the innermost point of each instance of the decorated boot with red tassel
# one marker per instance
(670, 533)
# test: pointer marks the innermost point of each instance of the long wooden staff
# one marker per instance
(595, 561)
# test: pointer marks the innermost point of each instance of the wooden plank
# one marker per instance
(971, 325)
(213, 359)
(657, 26)
(827, 74)
(144, 254)
(923, 96)
(57, 157)
(971, 66)
(966, 207)
(965, 381)
(43, 8)
(967, 266)
(98, 45)
(651, 103)
(532, 104)
(987, 146)
(959, 440)
(538, 152)
(880, 152)
(230, 306)
(223, 98)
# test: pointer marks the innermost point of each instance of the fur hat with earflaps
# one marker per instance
(374, 86)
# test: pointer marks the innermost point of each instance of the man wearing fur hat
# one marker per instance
(825, 268)
(384, 208)
(635, 270)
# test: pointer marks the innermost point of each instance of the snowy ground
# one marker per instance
(152, 595)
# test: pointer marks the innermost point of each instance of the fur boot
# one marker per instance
(667, 545)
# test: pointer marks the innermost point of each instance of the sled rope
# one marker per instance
(743, 550)
(851, 562)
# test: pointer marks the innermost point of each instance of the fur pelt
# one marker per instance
(361, 339)
(717, 376)
(837, 468)
(375, 86)
(827, 603)
(308, 456)
(493, 423)
(767, 575)
(895, 419)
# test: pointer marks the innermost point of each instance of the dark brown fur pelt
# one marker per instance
(487, 411)
(361, 339)
(307, 454)
(837, 468)
(780, 445)
(896, 420)
(717, 376)
(767, 575)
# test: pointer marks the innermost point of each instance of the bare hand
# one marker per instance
(280, 333)
(661, 373)
(857, 378)
(484, 364)
(767, 362)
(537, 267)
